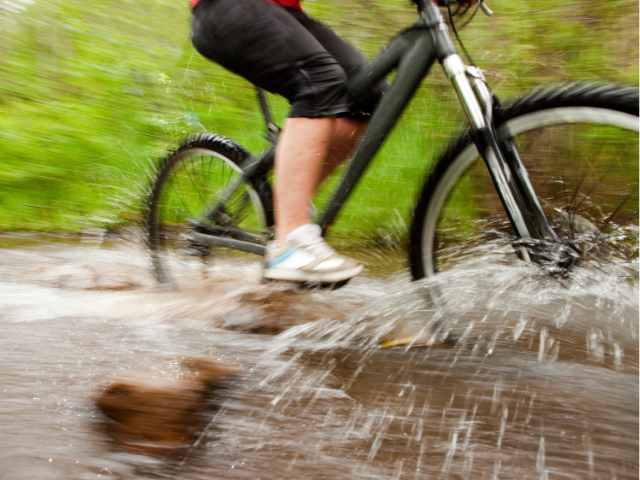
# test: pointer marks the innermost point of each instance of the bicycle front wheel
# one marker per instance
(579, 144)
(204, 174)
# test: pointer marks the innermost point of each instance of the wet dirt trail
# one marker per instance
(542, 382)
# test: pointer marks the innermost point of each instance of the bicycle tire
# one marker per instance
(573, 106)
(161, 232)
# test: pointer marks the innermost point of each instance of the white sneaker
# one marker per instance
(306, 257)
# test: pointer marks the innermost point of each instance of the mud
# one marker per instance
(160, 418)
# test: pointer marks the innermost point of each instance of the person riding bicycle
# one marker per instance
(275, 45)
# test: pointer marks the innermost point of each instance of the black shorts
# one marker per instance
(283, 51)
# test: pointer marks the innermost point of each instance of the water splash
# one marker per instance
(541, 381)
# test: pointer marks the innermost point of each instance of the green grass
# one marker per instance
(91, 95)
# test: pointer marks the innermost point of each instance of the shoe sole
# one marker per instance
(310, 285)
(297, 276)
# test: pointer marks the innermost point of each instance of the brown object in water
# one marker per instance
(272, 310)
(161, 419)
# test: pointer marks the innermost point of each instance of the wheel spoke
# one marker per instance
(194, 182)
(583, 168)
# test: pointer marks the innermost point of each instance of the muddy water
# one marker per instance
(542, 382)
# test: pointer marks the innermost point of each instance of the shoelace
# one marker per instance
(320, 249)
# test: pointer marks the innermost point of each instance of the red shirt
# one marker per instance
(285, 3)
(289, 3)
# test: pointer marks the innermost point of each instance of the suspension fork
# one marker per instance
(500, 154)
(541, 228)
(538, 223)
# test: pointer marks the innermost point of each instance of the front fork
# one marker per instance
(500, 155)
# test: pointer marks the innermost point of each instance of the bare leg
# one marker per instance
(346, 135)
(308, 151)
(301, 152)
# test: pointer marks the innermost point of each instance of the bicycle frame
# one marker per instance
(412, 53)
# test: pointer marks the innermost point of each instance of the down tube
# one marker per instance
(414, 66)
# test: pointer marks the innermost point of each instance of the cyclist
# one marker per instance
(276, 46)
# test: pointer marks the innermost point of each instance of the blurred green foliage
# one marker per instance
(92, 93)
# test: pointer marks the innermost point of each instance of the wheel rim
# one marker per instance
(195, 180)
(465, 201)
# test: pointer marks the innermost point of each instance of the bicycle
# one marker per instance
(546, 210)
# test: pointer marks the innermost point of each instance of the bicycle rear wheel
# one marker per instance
(579, 144)
(187, 183)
